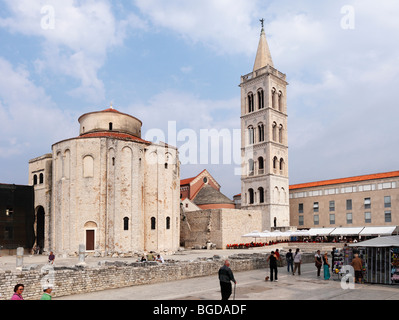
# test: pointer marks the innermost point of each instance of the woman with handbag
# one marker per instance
(317, 261)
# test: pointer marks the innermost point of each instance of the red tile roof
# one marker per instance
(346, 180)
(113, 134)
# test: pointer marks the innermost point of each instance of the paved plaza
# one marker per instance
(251, 285)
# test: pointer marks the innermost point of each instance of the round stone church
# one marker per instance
(107, 189)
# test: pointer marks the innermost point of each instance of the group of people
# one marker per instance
(294, 261)
(19, 289)
(152, 257)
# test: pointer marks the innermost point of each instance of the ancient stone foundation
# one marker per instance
(111, 275)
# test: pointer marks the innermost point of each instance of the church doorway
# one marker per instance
(40, 224)
(90, 235)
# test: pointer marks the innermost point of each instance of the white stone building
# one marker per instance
(108, 189)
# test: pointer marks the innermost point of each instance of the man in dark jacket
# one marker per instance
(225, 278)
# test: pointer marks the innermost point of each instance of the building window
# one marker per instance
(316, 219)
(251, 167)
(387, 202)
(315, 207)
(349, 204)
(35, 180)
(301, 221)
(251, 135)
(110, 125)
(41, 178)
(388, 217)
(280, 133)
(274, 131)
(153, 223)
(280, 101)
(281, 164)
(261, 131)
(300, 208)
(332, 218)
(332, 205)
(251, 196)
(251, 102)
(349, 218)
(260, 165)
(261, 195)
(367, 217)
(367, 203)
(261, 99)
(167, 223)
(125, 223)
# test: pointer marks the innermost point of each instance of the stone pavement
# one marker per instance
(251, 285)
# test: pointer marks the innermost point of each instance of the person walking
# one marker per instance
(297, 261)
(290, 261)
(225, 278)
(357, 264)
(46, 293)
(18, 290)
(273, 265)
(318, 262)
(326, 267)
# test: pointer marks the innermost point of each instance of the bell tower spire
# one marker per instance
(263, 56)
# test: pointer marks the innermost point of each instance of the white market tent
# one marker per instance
(346, 231)
(320, 231)
(388, 241)
(378, 231)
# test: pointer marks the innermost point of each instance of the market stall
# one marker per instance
(381, 259)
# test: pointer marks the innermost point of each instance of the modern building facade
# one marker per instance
(108, 189)
(264, 141)
(368, 200)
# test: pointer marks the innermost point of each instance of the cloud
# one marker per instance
(76, 37)
(31, 122)
(225, 27)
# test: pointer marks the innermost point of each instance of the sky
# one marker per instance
(176, 65)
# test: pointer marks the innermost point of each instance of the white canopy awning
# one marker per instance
(320, 231)
(346, 231)
(378, 231)
(380, 242)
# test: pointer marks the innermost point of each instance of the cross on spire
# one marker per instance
(262, 21)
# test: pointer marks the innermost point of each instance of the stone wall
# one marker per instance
(218, 226)
(112, 275)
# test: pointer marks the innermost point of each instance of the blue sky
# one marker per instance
(181, 61)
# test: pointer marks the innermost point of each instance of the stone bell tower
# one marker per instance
(264, 140)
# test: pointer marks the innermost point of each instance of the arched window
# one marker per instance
(274, 98)
(251, 107)
(110, 125)
(34, 179)
(125, 223)
(251, 135)
(275, 161)
(280, 101)
(260, 165)
(251, 196)
(41, 178)
(153, 223)
(261, 99)
(280, 133)
(167, 223)
(250, 167)
(261, 131)
(274, 131)
(261, 192)
(281, 164)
